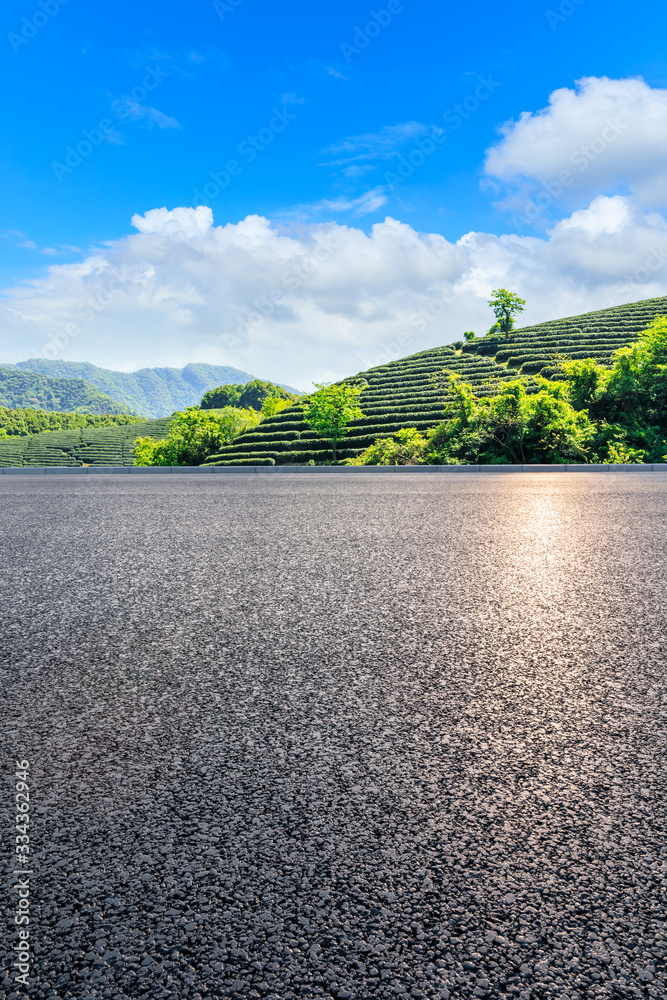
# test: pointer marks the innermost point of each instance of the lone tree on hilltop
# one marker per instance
(329, 410)
(506, 305)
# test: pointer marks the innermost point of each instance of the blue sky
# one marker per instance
(304, 113)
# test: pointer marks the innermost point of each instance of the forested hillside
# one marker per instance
(25, 390)
(152, 392)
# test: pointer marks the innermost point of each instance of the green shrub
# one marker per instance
(406, 447)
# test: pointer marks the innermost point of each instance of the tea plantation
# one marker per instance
(535, 349)
(400, 394)
(86, 446)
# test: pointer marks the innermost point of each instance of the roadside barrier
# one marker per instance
(355, 470)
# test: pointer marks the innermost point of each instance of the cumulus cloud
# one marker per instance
(603, 136)
(321, 302)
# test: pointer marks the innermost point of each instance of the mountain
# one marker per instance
(24, 389)
(151, 392)
(400, 394)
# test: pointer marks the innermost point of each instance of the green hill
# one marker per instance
(81, 446)
(534, 349)
(25, 390)
(400, 393)
(152, 392)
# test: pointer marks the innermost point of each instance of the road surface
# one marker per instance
(346, 736)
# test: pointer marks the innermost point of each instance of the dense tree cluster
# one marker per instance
(252, 395)
(30, 421)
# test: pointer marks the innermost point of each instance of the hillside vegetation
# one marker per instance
(535, 350)
(31, 421)
(26, 390)
(401, 394)
(80, 446)
(152, 392)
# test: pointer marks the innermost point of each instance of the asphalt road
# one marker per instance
(350, 737)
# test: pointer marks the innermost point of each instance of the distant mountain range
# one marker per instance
(149, 392)
(24, 390)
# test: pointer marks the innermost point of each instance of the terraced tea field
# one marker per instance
(400, 394)
(87, 446)
(535, 349)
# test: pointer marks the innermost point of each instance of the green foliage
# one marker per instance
(252, 395)
(506, 305)
(273, 405)
(469, 335)
(25, 390)
(512, 427)
(628, 401)
(153, 392)
(400, 394)
(90, 445)
(31, 421)
(329, 410)
(195, 435)
(406, 447)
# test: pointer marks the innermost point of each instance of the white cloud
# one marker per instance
(382, 145)
(322, 302)
(369, 201)
(127, 109)
(607, 136)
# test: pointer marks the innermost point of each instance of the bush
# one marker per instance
(194, 435)
(513, 427)
(242, 461)
(406, 447)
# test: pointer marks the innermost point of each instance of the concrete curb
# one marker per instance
(135, 470)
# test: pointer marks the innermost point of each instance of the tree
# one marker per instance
(511, 427)
(329, 410)
(469, 335)
(273, 405)
(506, 305)
(251, 395)
(195, 435)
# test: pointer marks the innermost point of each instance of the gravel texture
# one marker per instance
(349, 737)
